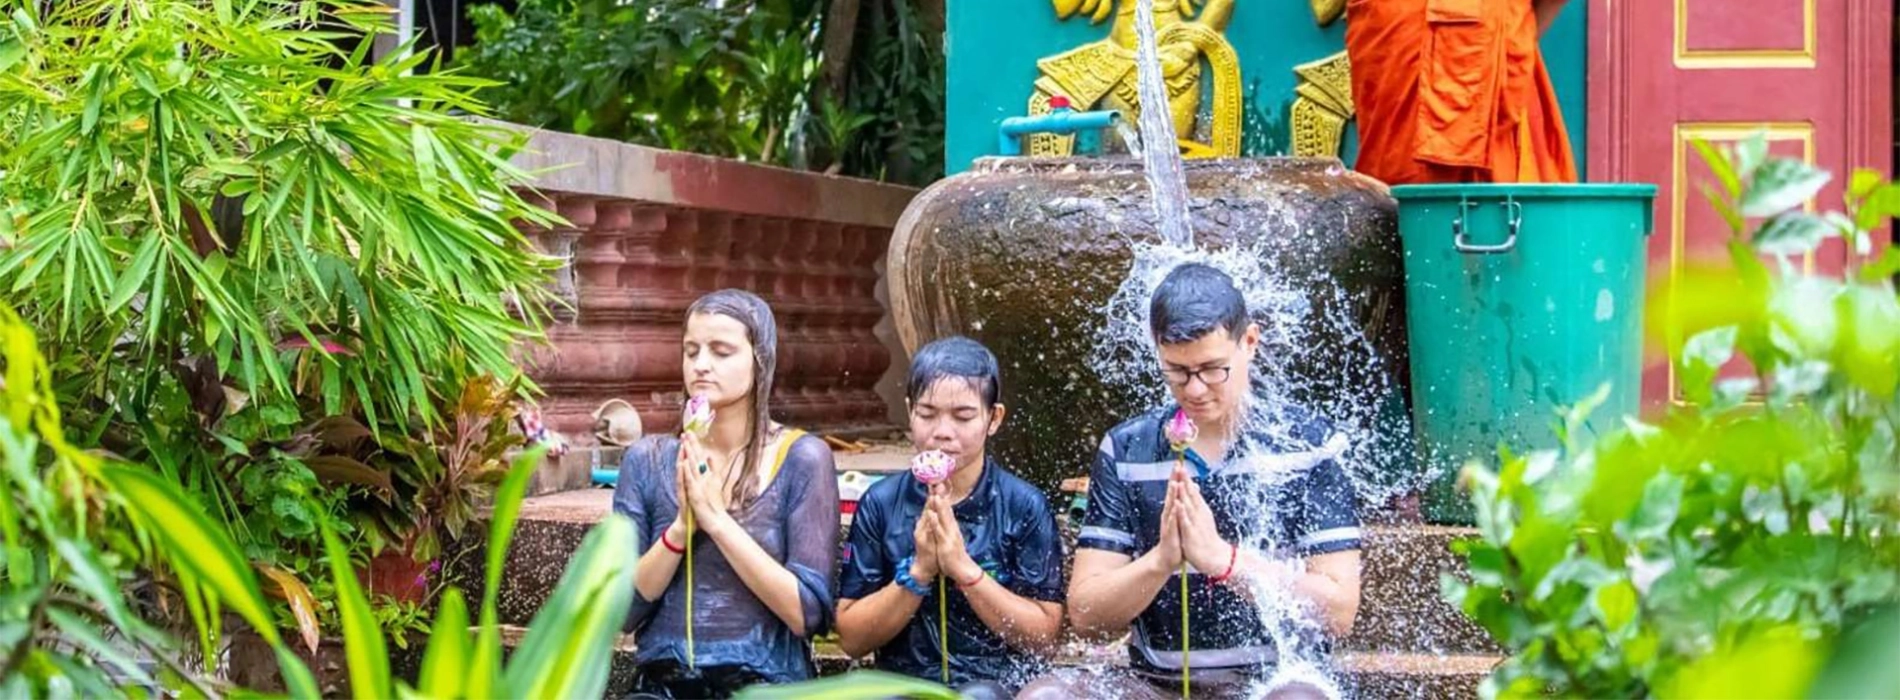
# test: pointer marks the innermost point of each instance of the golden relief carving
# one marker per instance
(1102, 75)
(1323, 105)
(1328, 11)
(1323, 98)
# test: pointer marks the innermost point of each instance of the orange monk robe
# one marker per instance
(1454, 91)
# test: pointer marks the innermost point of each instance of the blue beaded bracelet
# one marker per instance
(910, 584)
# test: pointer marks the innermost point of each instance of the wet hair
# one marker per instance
(956, 358)
(1194, 300)
(761, 329)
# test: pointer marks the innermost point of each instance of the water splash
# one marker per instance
(1353, 393)
(1167, 184)
(1130, 137)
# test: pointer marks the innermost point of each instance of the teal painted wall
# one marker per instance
(993, 46)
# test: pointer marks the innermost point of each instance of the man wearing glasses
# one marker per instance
(1252, 507)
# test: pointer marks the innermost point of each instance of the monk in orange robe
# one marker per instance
(1455, 91)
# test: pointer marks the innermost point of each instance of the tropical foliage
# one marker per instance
(1726, 549)
(89, 540)
(741, 79)
(268, 267)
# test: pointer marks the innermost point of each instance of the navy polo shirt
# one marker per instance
(1284, 492)
(1009, 530)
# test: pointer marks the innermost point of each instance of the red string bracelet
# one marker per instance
(668, 544)
(978, 578)
(1233, 555)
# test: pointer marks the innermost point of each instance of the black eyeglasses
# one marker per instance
(1208, 375)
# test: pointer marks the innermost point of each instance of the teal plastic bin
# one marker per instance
(1521, 300)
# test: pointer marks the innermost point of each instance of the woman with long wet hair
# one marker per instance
(751, 503)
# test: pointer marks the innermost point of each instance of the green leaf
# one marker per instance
(1863, 183)
(442, 665)
(193, 544)
(81, 631)
(570, 642)
(1869, 350)
(1881, 204)
(1802, 318)
(1775, 663)
(1719, 165)
(1863, 665)
(1793, 233)
(1750, 153)
(1703, 357)
(135, 276)
(485, 672)
(857, 685)
(506, 509)
(1656, 513)
(362, 636)
(1538, 544)
(1615, 604)
(11, 51)
(297, 677)
(1781, 184)
(338, 469)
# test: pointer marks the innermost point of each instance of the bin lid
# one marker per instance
(1487, 190)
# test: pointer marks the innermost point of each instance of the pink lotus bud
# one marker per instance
(699, 416)
(1181, 431)
(932, 467)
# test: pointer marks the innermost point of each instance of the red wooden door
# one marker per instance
(1814, 75)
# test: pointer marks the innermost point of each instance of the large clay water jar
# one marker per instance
(1022, 253)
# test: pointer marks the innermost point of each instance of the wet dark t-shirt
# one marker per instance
(795, 520)
(1010, 532)
(1285, 492)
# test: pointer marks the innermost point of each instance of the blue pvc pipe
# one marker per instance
(1009, 134)
(606, 477)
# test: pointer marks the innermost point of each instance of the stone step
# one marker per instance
(1369, 674)
(1401, 609)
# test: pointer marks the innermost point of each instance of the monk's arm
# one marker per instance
(1546, 13)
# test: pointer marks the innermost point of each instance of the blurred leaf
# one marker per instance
(1616, 605)
(83, 633)
(570, 642)
(11, 51)
(1703, 357)
(1793, 233)
(1720, 166)
(1777, 663)
(857, 685)
(442, 670)
(362, 636)
(1863, 666)
(1869, 350)
(1863, 183)
(485, 671)
(1802, 316)
(1780, 185)
(1750, 154)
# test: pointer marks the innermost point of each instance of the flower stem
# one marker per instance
(692, 661)
(1181, 460)
(943, 628)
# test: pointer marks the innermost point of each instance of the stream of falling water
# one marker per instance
(1161, 158)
